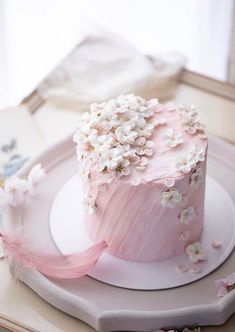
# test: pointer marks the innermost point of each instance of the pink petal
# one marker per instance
(216, 244)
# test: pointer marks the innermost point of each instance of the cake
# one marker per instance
(143, 166)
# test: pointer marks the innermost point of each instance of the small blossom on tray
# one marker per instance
(170, 198)
(196, 178)
(225, 285)
(187, 215)
(13, 189)
(172, 138)
(196, 252)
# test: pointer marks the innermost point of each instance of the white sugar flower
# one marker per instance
(170, 198)
(123, 168)
(84, 172)
(203, 137)
(83, 134)
(189, 159)
(192, 125)
(142, 164)
(15, 189)
(102, 142)
(89, 204)
(187, 215)
(148, 112)
(108, 120)
(161, 121)
(170, 107)
(101, 182)
(188, 108)
(106, 126)
(154, 105)
(127, 151)
(196, 153)
(196, 252)
(96, 108)
(116, 106)
(196, 178)
(144, 147)
(130, 118)
(191, 121)
(140, 123)
(110, 159)
(169, 183)
(190, 116)
(184, 163)
(126, 135)
(172, 138)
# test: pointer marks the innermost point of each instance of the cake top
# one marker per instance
(136, 140)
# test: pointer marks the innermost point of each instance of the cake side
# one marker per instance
(132, 220)
(150, 209)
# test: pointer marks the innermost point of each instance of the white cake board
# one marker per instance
(104, 307)
(68, 231)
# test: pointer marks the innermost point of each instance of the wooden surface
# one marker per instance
(17, 301)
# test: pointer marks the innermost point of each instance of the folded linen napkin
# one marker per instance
(105, 65)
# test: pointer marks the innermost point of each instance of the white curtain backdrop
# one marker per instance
(36, 35)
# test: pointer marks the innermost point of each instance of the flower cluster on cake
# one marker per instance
(143, 166)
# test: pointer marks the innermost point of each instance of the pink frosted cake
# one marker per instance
(144, 167)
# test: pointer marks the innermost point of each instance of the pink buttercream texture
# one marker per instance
(132, 220)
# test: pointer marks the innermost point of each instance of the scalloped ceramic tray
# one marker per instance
(105, 307)
(68, 232)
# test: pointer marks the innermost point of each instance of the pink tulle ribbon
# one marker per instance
(55, 266)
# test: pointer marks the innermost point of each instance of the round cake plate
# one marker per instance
(68, 231)
(105, 307)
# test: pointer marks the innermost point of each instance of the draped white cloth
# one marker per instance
(105, 65)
